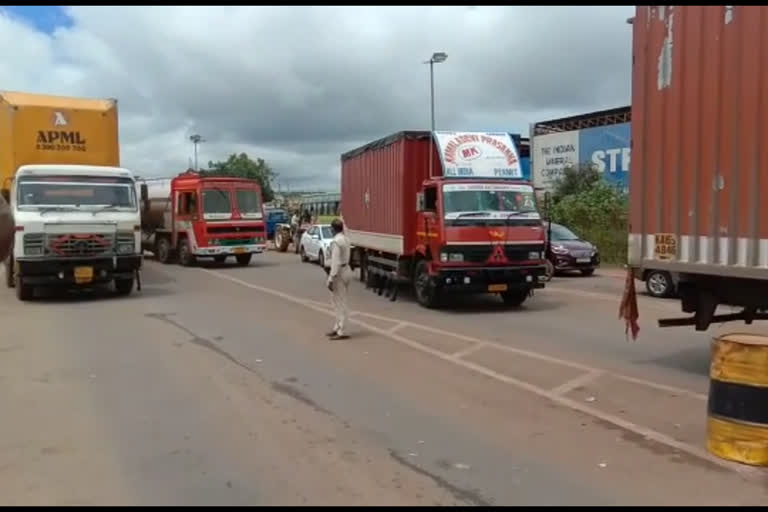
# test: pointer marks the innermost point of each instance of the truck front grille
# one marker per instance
(80, 245)
(33, 243)
(481, 253)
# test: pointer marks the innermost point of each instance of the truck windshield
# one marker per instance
(216, 203)
(488, 201)
(248, 202)
(47, 194)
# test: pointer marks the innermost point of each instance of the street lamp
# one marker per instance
(436, 58)
(196, 139)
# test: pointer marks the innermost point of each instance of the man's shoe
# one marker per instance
(331, 334)
(337, 337)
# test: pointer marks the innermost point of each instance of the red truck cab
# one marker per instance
(471, 225)
(198, 216)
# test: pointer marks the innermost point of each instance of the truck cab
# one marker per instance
(197, 216)
(75, 225)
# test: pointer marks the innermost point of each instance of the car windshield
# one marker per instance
(562, 234)
(216, 201)
(489, 200)
(327, 233)
(46, 194)
(248, 201)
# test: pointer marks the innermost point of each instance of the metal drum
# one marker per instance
(737, 424)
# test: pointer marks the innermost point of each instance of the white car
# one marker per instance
(316, 244)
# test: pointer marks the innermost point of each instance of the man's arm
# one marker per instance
(7, 229)
(335, 260)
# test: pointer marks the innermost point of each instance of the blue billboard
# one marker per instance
(608, 149)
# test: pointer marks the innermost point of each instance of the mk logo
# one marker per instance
(497, 255)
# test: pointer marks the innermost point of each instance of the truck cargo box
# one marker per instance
(40, 129)
(379, 182)
(699, 178)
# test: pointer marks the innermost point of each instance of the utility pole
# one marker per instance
(436, 58)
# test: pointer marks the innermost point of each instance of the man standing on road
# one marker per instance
(339, 277)
(7, 229)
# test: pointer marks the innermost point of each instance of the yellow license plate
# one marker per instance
(497, 288)
(238, 250)
(83, 275)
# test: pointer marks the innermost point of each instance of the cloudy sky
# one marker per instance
(298, 86)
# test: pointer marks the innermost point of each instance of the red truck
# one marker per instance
(193, 216)
(699, 182)
(467, 223)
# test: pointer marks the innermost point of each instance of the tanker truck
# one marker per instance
(194, 216)
(76, 210)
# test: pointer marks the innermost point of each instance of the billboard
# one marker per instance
(478, 154)
(606, 147)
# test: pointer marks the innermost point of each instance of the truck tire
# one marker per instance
(221, 258)
(281, 241)
(10, 282)
(163, 250)
(243, 259)
(124, 286)
(24, 292)
(426, 293)
(186, 258)
(515, 298)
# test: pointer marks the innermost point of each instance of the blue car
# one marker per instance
(274, 217)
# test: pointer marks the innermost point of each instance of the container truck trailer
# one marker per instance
(76, 210)
(699, 179)
(192, 216)
(469, 223)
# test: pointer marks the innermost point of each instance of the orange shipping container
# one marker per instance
(699, 179)
(40, 129)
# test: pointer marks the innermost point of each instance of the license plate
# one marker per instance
(583, 260)
(238, 250)
(83, 275)
(497, 288)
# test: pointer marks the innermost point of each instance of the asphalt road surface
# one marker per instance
(216, 386)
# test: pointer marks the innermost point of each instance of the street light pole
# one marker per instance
(436, 58)
(196, 139)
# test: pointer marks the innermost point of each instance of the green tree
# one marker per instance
(576, 179)
(242, 166)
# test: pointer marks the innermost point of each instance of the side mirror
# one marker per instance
(420, 202)
(144, 195)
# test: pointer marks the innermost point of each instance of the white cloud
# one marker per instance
(298, 86)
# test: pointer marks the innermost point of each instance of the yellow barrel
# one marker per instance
(737, 424)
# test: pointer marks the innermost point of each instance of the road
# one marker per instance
(216, 385)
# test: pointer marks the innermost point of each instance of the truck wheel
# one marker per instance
(658, 284)
(124, 286)
(221, 258)
(515, 298)
(281, 241)
(426, 293)
(243, 259)
(24, 292)
(186, 258)
(163, 250)
(10, 282)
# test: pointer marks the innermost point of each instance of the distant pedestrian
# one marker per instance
(339, 278)
(7, 229)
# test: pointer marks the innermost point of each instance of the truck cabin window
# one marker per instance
(430, 199)
(188, 203)
(217, 204)
(248, 202)
(37, 194)
(496, 204)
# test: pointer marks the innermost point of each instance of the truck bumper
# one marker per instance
(230, 250)
(59, 272)
(490, 279)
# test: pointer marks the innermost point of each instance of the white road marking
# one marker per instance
(647, 433)
(469, 350)
(572, 384)
(397, 327)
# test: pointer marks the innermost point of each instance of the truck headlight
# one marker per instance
(125, 249)
(443, 257)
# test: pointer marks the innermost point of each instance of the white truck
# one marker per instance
(76, 211)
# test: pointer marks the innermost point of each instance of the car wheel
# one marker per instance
(303, 254)
(321, 259)
(658, 284)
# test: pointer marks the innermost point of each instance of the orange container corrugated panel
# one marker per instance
(699, 178)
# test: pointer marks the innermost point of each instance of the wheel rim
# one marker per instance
(658, 285)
